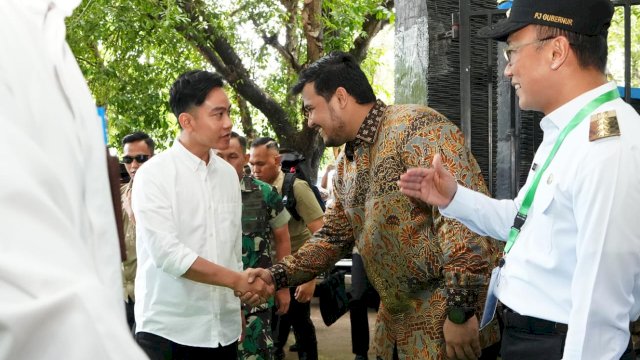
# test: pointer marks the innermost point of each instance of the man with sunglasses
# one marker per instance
(569, 280)
(137, 148)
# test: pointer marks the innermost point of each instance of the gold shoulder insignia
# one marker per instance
(604, 125)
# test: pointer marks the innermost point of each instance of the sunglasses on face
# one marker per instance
(139, 158)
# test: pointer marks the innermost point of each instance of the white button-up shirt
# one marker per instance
(60, 282)
(185, 208)
(577, 259)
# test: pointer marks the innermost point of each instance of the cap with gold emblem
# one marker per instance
(587, 17)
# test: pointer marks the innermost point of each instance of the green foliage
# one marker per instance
(343, 21)
(130, 54)
(131, 51)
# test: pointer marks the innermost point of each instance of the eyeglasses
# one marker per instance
(510, 49)
(139, 158)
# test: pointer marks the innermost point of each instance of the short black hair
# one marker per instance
(139, 136)
(191, 89)
(269, 142)
(590, 50)
(241, 139)
(338, 69)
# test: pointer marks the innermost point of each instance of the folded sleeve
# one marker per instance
(155, 227)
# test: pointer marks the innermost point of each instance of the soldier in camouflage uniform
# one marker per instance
(264, 222)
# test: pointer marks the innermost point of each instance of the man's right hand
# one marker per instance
(259, 273)
(254, 289)
(435, 185)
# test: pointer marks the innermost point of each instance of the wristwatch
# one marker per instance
(460, 315)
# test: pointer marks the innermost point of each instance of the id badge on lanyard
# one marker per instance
(491, 302)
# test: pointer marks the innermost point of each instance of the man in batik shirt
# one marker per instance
(264, 221)
(431, 272)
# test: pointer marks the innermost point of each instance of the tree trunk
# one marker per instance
(223, 57)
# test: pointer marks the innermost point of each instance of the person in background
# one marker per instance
(137, 148)
(264, 222)
(429, 271)
(265, 161)
(60, 280)
(188, 233)
(326, 182)
(362, 294)
(569, 281)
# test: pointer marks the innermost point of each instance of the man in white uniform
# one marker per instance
(570, 283)
(60, 283)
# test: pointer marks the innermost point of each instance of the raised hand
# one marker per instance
(435, 185)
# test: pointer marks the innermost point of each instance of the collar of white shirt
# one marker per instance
(560, 117)
(193, 161)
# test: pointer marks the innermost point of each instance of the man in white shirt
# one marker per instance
(60, 282)
(569, 284)
(187, 206)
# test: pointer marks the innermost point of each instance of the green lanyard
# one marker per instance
(521, 217)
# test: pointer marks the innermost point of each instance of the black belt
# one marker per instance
(530, 324)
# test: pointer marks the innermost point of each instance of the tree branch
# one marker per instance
(225, 60)
(286, 51)
(245, 118)
(370, 28)
(291, 38)
(312, 26)
(288, 56)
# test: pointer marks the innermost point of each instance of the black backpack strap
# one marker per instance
(316, 192)
(288, 197)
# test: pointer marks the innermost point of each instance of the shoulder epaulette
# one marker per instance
(604, 125)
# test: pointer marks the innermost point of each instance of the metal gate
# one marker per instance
(502, 137)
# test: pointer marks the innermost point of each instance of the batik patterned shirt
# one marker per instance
(419, 261)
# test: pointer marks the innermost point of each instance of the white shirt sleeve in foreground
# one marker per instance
(60, 282)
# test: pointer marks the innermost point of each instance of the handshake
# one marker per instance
(254, 286)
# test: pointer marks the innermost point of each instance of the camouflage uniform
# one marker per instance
(262, 211)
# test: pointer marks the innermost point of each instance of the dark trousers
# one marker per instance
(298, 316)
(159, 348)
(529, 338)
(361, 296)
